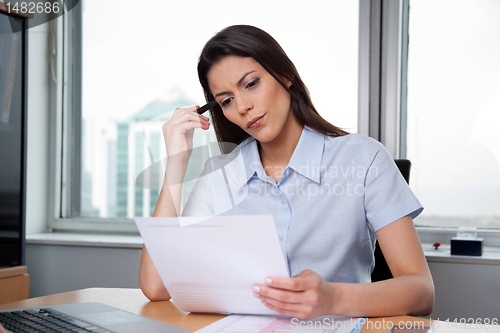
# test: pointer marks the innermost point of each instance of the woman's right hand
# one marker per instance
(178, 133)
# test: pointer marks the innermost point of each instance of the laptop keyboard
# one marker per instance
(46, 321)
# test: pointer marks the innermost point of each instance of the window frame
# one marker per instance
(430, 234)
(65, 166)
(65, 132)
(382, 91)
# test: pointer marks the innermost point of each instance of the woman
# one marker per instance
(331, 194)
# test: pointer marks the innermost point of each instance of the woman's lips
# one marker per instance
(255, 122)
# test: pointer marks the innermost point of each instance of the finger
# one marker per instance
(296, 313)
(190, 126)
(199, 118)
(282, 304)
(281, 295)
(197, 115)
(194, 110)
(305, 273)
(179, 130)
(170, 129)
(296, 283)
(179, 114)
(187, 118)
(182, 110)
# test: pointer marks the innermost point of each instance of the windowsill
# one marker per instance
(431, 235)
(82, 239)
(491, 255)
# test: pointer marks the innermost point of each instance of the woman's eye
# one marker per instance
(252, 83)
(225, 102)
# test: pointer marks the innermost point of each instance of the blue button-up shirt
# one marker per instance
(331, 198)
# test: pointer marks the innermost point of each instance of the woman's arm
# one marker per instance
(150, 281)
(169, 199)
(411, 291)
(178, 134)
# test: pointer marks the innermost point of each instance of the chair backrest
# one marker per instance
(381, 270)
(404, 167)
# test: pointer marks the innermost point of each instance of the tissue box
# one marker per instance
(467, 247)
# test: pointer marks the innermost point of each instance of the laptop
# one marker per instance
(81, 317)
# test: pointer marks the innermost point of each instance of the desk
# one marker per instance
(14, 284)
(134, 301)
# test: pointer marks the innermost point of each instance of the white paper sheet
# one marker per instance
(272, 324)
(209, 264)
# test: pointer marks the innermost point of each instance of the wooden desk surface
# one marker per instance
(134, 301)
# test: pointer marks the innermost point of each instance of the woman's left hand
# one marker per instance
(304, 296)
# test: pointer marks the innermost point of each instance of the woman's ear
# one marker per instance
(284, 81)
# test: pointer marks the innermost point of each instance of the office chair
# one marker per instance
(381, 270)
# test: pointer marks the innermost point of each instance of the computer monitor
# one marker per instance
(12, 141)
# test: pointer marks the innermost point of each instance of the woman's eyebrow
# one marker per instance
(243, 77)
(238, 83)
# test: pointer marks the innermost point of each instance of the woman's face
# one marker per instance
(250, 97)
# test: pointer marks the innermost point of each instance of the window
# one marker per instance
(139, 64)
(454, 111)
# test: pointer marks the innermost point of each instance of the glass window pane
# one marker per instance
(454, 111)
(139, 64)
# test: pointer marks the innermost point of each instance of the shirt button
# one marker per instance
(280, 237)
(282, 200)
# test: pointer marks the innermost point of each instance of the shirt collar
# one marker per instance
(251, 156)
(245, 164)
(306, 158)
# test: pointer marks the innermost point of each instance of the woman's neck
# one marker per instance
(279, 151)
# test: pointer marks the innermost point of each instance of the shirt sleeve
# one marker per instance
(200, 199)
(387, 195)
(219, 187)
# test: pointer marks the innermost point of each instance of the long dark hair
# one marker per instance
(249, 41)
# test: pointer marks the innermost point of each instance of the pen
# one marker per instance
(206, 107)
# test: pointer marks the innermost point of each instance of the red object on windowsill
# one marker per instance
(436, 245)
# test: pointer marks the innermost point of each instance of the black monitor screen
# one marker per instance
(12, 152)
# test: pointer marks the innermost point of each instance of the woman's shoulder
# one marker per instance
(353, 148)
(354, 142)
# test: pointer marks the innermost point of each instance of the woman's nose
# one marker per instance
(244, 104)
